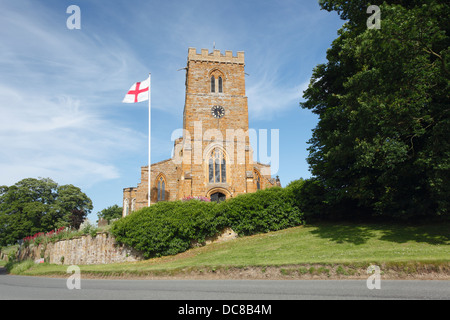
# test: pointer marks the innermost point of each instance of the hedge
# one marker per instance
(263, 211)
(168, 228)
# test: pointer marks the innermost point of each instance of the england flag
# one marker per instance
(138, 92)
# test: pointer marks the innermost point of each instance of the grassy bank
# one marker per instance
(342, 249)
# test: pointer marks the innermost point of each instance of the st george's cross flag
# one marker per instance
(138, 92)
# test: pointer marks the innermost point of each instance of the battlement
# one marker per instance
(215, 56)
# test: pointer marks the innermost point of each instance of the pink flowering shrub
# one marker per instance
(205, 199)
(39, 237)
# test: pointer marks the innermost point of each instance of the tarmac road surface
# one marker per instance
(39, 288)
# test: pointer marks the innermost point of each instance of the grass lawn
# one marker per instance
(324, 244)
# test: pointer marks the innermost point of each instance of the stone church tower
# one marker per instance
(214, 158)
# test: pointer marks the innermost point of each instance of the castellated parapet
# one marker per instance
(216, 56)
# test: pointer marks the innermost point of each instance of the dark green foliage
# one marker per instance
(38, 205)
(110, 213)
(263, 211)
(167, 228)
(309, 197)
(382, 144)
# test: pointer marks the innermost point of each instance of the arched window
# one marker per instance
(216, 81)
(213, 84)
(257, 180)
(161, 187)
(217, 167)
(220, 85)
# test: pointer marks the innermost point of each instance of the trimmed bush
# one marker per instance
(168, 228)
(263, 211)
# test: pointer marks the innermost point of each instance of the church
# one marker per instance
(213, 159)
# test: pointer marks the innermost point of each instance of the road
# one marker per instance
(37, 288)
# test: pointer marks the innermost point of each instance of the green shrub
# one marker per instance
(12, 256)
(263, 211)
(168, 228)
(309, 197)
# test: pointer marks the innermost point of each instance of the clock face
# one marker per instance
(217, 112)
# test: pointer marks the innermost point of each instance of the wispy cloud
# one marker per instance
(58, 138)
(269, 97)
(56, 91)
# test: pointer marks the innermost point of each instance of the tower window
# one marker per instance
(217, 167)
(220, 85)
(216, 81)
(213, 84)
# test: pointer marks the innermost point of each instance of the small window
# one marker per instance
(161, 189)
(258, 180)
(220, 85)
(213, 84)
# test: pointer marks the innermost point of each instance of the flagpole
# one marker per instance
(149, 137)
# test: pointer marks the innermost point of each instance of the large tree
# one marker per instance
(38, 205)
(382, 143)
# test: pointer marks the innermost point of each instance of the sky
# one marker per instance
(61, 89)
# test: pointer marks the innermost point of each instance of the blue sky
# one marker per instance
(61, 114)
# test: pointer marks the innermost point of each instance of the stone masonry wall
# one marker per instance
(101, 249)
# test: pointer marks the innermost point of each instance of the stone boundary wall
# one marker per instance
(101, 249)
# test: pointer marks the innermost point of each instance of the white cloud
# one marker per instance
(268, 97)
(59, 139)
(56, 91)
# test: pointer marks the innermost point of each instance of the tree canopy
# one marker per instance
(382, 143)
(110, 213)
(39, 205)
